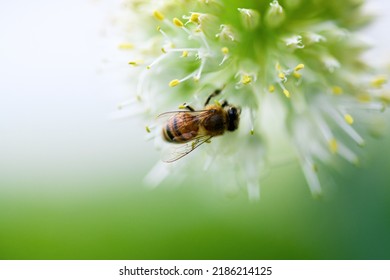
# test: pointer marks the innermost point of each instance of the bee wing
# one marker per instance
(181, 150)
(170, 114)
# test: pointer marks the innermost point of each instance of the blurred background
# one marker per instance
(71, 178)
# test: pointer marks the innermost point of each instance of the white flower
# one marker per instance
(296, 72)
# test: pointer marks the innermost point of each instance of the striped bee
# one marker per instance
(191, 128)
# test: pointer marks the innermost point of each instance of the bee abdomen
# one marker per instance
(180, 129)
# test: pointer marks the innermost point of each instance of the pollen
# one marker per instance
(246, 79)
(336, 90)
(125, 46)
(195, 18)
(158, 15)
(348, 118)
(271, 88)
(184, 54)
(286, 93)
(379, 82)
(333, 145)
(299, 67)
(178, 22)
(174, 83)
(297, 75)
(135, 63)
(282, 76)
(225, 50)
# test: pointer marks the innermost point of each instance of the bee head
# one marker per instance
(233, 117)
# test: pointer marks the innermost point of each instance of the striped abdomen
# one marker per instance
(182, 127)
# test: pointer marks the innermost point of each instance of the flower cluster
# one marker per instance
(294, 67)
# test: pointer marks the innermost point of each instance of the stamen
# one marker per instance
(202, 63)
(178, 22)
(271, 88)
(174, 83)
(157, 60)
(158, 15)
(336, 90)
(378, 82)
(348, 118)
(333, 146)
(126, 46)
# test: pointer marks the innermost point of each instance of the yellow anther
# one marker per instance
(158, 15)
(337, 90)
(364, 98)
(379, 81)
(348, 118)
(246, 79)
(195, 18)
(183, 106)
(178, 22)
(286, 93)
(158, 28)
(297, 75)
(299, 67)
(174, 83)
(126, 46)
(135, 62)
(282, 76)
(333, 146)
(184, 54)
(225, 50)
(163, 50)
(271, 88)
(147, 129)
(278, 67)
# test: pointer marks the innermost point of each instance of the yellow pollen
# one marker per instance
(126, 46)
(147, 129)
(271, 88)
(281, 75)
(178, 22)
(225, 50)
(174, 83)
(158, 15)
(337, 90)
(135, 62)
(348, 118)
(246, 79)
(195, 18)
(364, 98)
(379, 81)
(184, 54)
(297, 75)
(183, 106)
(299, 67)
(217, 103)
(333, 146)
(286, 93)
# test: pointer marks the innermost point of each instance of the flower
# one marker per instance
(295, 68)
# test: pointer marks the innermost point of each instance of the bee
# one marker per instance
(191, 128)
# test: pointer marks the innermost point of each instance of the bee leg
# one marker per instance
(224, 104)
(190, 108)
(214, 94)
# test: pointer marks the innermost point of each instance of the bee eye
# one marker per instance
(233, 118)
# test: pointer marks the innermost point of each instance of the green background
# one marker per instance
(111, 216)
